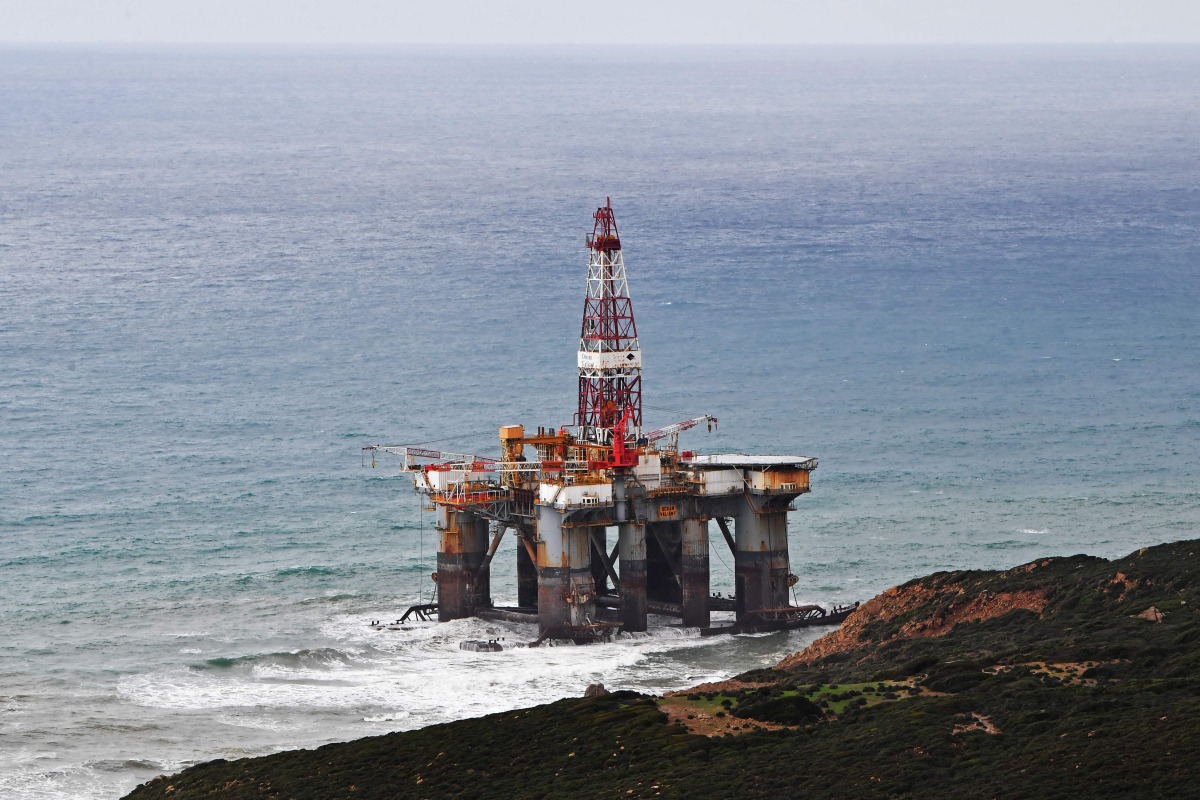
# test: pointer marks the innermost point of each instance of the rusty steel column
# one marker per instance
(632, 544)
(462, 547)
(761, 562)
(694, 606)
(476, 540)
(527, 581)
(631, 548)
(566, 591)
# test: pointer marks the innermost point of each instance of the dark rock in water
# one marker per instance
(596, 690)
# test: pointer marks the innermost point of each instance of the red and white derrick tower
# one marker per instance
(610, 360)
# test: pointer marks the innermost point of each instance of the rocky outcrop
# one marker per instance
(932, 611)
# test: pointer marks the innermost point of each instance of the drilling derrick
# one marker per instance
(610, 361)
(560, 492)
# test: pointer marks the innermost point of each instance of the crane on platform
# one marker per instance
(671, 432)
(409, 456)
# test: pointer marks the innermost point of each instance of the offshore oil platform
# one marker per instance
(560, 491)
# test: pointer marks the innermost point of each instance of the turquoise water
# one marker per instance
(965, 279)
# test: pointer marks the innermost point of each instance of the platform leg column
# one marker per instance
(632, 544)
(631, 554)
(694, 566)
(527, 580)
(779, 565)
(476, 536)
(456, 538)
(566, 591)
(761, 562)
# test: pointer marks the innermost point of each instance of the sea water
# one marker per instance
(965, 279)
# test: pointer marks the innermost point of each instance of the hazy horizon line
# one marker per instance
(587, 45)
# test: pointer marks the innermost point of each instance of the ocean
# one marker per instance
(966, 279)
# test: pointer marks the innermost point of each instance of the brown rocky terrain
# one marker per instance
(958, 606)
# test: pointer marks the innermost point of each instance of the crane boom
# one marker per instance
(411, 454)
(671, 432)
(473, 463)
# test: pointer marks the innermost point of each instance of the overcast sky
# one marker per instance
(615, 21)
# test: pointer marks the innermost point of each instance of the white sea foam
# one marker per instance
(261, 722)
(69, 783)
(414, 676)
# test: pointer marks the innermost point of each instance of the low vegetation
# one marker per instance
(1065, 678)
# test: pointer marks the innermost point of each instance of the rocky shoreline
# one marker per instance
(1064, 677)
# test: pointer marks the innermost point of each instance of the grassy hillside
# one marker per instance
(1071, 677)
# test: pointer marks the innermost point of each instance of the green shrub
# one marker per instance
(788, 710)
